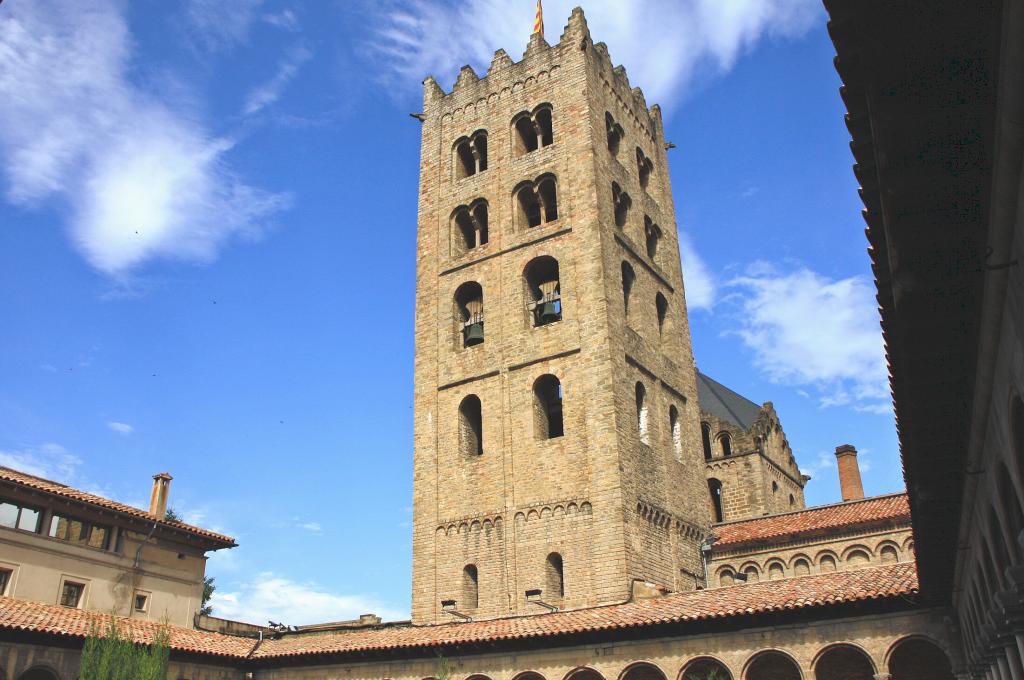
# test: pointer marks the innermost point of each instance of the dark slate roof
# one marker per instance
(718, 400)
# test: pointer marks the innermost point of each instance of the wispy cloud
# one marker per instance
(143, 179)
(221, 24)
(269, 597)
(270, 91)
(700, 284)
(313, 527)
(120, 428)
(48, 460)
(665, 42)
(807, 330)
(285, 20)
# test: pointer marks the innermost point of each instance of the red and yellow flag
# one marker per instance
(538, 23)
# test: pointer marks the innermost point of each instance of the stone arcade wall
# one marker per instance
(62, 662)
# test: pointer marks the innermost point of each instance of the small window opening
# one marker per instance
(470, 587)
(549, 199)
(641, 413)
(480, 146)
(547, 398)
(726, 441)
(469, 312)
(537, 202)
(644, 167)
(661, 305)
(621, 202)
(544, 288)
(628, 277)
(652, 235)
(471, 155)
(615, 133)
(471, 227)
(775, 487)
(715, 490)
(792, 500)
(71, 594)
(533, 130)
(141, 602)
(705, 439)
(5, 579)
(471, 435)
(555, 586)
(677, 432)
(529, 207)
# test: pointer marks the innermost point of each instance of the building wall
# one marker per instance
(590, 494)
(17, 658)
(39, 565)
(770, 562)
(877, 636)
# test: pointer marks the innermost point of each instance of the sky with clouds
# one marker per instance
(194, 195)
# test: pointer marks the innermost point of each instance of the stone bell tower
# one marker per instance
(557, 438)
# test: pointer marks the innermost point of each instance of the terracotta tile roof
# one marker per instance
(804, 592)
(64, 491)
(77, 623)
(827, 517)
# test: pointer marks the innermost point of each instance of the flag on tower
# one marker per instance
(538, 23)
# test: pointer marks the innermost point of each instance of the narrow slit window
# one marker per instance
(628, 278)
(621, 203)
(715, 491)
(548, 415)
(469, 314)
(705, 439)
(726, 442)
(555, 586)
(641, 414)
(677, 432)
(471, 435)
(470, 587)
(544, 291)
(661, 307)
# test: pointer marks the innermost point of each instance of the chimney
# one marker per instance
(161, 489)
(849, 473)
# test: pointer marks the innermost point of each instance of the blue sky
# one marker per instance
(207, 220)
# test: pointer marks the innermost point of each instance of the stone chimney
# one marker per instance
(158, 499)
(849, 473)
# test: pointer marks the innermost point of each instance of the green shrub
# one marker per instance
(108, 655)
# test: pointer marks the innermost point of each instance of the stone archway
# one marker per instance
(844, 662)
(39, 673)
(772, 665)
(583, 673)
(705, 668)
(919, 659)
(642, 671)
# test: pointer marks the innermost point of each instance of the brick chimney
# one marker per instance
(158, 499)
(849, 473)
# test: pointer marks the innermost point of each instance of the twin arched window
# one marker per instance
(470, 154)
(536, 202)
(533, 130)
(615, 133)
(621, 203)
(469, 227)
(652, 236)
(644, 167)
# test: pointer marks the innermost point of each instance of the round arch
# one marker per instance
(918, 658)
(528, 675)
(843, 661)
(702, 668)
(642, 670)
(39, 673)
(583, 673)
(772, 664)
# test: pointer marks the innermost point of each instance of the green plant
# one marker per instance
(205, 608)
(444, 671)
(172, 515)
(712, 674)
(109, 655)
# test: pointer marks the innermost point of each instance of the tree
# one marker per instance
(205, 608)
(172, 516)
(109, 655)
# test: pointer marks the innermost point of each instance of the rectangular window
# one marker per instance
(141, 602)
(82, 533)
(71, 594)
(17, 516)
(5, 579)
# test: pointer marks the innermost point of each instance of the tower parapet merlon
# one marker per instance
(539, 55)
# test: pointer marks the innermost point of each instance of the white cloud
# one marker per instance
(663, 42)
(121, 428)
(142, 180)
(269, 597)
(312, 526)
(48, 460)
(221, 24)
(697, 279)
(809, 331)
(270, 92)
(285, 20)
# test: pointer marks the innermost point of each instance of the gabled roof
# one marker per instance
(739, 602)
(64, 491)
(780, 528)
(721, 402)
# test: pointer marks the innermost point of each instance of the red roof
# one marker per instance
(805, 592)
(893, 508)
(64, 491)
